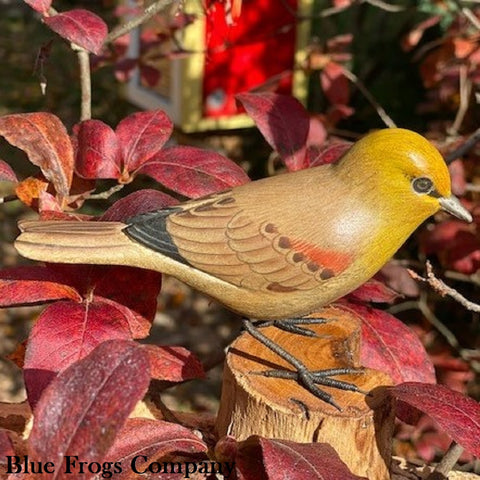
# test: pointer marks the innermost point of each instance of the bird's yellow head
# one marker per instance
(407, 169)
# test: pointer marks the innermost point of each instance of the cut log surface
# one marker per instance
(253, 404)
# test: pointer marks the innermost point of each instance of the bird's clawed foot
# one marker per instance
(308, 379)
(294, 325)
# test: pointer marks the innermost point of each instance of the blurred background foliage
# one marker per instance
(417, 60)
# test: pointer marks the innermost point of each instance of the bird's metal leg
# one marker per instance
(294, 325)
(308, 379)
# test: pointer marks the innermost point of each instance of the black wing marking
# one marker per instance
(150, 230)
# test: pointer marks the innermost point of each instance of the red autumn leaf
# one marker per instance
(6, 447)
(48, 203)
(338, 112)
(66, 332)
(261, 458)
(453, 372)
(142, 135)
(43, 137)
(457, 175)
(317, 133)
(456, 414)
(41, 6)
(85, 407)
(81, 27)
(464, 47)
(456, 245)
(153, 439)
(125, 68)
(98, 152)
(194, 172)
(133, 288)
(175, 364)
(27, 285)
(150, 75)
(226, 449)
(324, 154)
(136, 289)
(374, 291)
(11, 444)
(431, 445)
(342, 3)
(80, 191)
(283, 122)
(390, 346)
(6, 173)
(142, 201)
(334, 84)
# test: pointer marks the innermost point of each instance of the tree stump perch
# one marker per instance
(253, 404)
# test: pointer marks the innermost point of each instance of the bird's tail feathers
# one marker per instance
(73, 242)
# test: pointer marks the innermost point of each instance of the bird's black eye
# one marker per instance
(422, 185)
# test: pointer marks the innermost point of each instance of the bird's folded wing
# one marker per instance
(222, 238)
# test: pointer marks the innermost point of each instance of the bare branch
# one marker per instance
(85, 82)
(8, 198)
(468, 14)
(472, 140)
(437, 323)
(464, 91)
(107, 193)
(385, 6)
(447, 463)
(380, 110)
(443, 289)
(148, 13)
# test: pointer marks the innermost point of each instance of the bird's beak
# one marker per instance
(453, 206)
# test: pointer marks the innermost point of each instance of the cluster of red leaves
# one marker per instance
(330, 61)
(81, 356)
(156, 43)
(445, 61)
(81, 27)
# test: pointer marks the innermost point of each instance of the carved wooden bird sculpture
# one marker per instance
(280, 247)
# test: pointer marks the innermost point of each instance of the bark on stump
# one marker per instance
(253, 404)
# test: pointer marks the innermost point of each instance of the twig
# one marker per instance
(327, 12)
(469, 356)
(435, 321)
(385, 6)
(85, 82)
(470, 187)
(468, 14)
(462, 277)
(461, 150)
(447, 463)
(107, 193)
(443, 289)
(8, 198)
(464, 91)
(380, 110)
(148, 13)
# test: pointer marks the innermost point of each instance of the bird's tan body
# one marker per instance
(274, 248)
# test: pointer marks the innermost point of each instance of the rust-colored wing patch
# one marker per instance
(220, 238)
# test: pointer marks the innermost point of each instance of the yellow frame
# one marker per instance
(184, 103)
